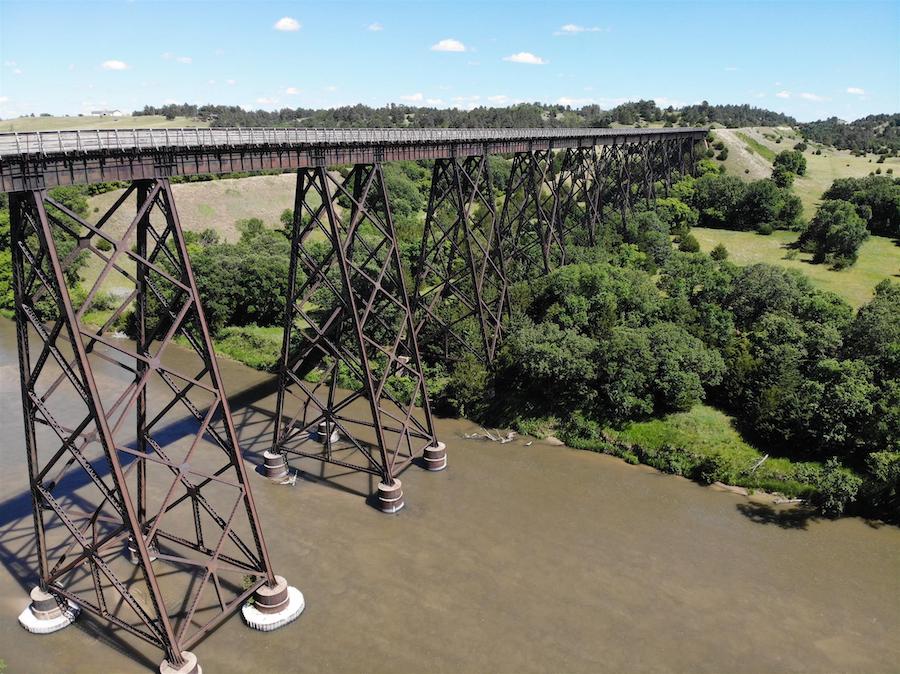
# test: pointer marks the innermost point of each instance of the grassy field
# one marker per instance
(217, 204)
(879, 258)
(706, 432)
(214, 204)
(822, 170)
(94, 122)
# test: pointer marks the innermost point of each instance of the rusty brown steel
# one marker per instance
(90, 481)
(460, 259)
(349, 314)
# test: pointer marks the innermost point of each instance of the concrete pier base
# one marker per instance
(326, 431)
(436, 457)
(189, 666)
(275, 467)
(47, 613)
(133, 555)
(273, 607)
(390, 497)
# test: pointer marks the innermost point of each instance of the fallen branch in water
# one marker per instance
(487, 435)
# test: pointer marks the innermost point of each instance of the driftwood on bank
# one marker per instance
(493, 437)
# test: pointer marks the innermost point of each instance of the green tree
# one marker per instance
(792, 161)
(678, 215)
(546, 369)
(835, 233)
(689, 244)
(716, 198)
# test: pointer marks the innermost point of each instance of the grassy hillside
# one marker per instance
(93, 122)
(751, 150)
(879, 258)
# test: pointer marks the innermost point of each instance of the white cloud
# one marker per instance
(448, 44)
(857, 91)
(413, 98)
(466, 102)
(230, 83)
(184, 59)
(434, 101)
(266, 101)
(812, 97)
(500, 98)
(17, 71)
(10, 64)
(664, 102)
(375, 27)
(575, 29)
(331, 87)
(167, 56)
(4, 99)
(783, 94)
(566, 100)
(114, 65)
(731, 69)
(292, 91)
(211, 82)
(525, 57)
(71, 67)
(287, 24)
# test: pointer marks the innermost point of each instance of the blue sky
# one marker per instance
(808, 59)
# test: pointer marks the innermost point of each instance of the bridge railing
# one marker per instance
(97, 140)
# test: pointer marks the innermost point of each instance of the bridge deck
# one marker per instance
(50, 158)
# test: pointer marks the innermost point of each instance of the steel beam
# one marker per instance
(111, 469)
(460, 277)
(351, 391)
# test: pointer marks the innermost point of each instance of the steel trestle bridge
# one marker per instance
(363, 315)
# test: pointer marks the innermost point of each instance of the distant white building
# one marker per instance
(106, 113)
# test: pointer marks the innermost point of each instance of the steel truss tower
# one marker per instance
(115, 472)
(460, 278)
(351, 375)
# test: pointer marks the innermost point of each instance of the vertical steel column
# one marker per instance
(526, 225)
(460, 259)
(349, 321)
(80, 462)
(573, 216)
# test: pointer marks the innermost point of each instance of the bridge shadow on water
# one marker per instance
(254, 423)
(255, 426)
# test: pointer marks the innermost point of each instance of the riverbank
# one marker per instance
(701, 444)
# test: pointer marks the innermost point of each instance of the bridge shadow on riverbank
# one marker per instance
(796, 517)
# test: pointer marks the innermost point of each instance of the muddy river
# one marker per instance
(516, 559)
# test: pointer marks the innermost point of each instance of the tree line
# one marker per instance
(521, 115)
(874, 133)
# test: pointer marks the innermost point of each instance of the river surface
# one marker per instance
(516, 559)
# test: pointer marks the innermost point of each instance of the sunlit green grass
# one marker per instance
(756, 146)
(708, 432)
(879, 258)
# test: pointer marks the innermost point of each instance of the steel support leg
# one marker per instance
(176, 490)
(460, 280)
(351, 374)
(532, 245)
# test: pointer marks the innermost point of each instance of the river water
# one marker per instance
(516, 559)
